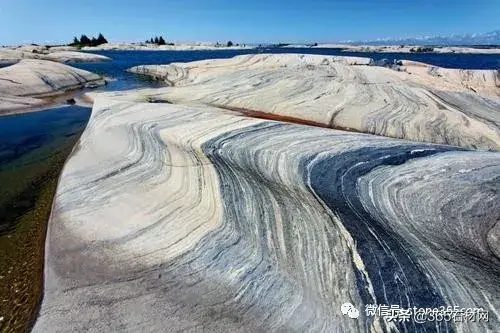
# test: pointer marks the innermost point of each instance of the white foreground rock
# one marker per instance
(174, 218)
(191, 218)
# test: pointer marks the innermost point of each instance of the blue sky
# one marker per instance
(54, 21)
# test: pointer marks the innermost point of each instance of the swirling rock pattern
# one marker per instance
(182, 218)
(419, 102)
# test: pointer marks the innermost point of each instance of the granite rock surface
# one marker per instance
(74, 57)
(179, 210)
(60, 54)
(186, 218)
(30, 82)
(412, 101)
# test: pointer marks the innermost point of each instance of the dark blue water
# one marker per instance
(24, 133)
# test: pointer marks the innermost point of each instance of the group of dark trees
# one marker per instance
(229, 44)
(85, 41)
(159, 40)
(421, 49)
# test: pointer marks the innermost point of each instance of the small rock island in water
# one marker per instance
(249, 187)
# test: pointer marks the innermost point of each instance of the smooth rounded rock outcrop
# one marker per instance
(194, 218)
(414, 101)
(30, 82)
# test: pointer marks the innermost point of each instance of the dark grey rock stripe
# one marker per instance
(396, 276)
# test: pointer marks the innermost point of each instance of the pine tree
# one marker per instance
(229, 44)
(161, 41)
(101, 39)
(84, 40)
(157, 40)
(76, 42)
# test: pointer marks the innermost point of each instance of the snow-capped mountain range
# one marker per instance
(488, 38)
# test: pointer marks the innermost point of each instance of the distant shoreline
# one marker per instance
(490, 49)
(168, 47)
(413, 48)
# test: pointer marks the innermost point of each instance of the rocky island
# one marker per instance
(168, 47)
(10, 56)
(33, 83)
(267, 190)
(411, 49)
